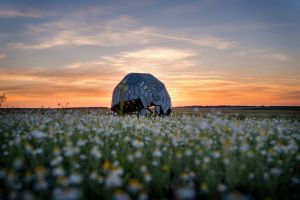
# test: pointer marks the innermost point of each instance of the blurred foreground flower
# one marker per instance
(66, 194)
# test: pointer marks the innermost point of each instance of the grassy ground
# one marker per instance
(92, 154)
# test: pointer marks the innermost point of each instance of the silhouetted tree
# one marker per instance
(2, 99)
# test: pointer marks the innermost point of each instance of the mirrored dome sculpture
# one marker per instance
(137, 92)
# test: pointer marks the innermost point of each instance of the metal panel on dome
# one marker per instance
(126, 95)
(131, 92)
(136, 90)
(144, 102)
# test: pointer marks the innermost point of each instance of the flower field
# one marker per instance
(90, 154)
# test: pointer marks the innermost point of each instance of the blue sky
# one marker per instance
(235, 52)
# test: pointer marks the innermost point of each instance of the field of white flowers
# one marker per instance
(89, 154)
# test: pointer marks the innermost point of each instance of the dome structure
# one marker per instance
(137, 92)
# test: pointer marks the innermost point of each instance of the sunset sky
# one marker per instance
(235, 52)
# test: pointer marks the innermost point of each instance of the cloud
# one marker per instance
(266, 53)
(215, 43)
(159, 54)
(278, 57)
(295, 94)
(44, 45)
(61, 75)
(220, 92)
(82, 32)
(156, 60)
(40, 89)
(2, 56)
(205, 41)
(236, 27)
(12, 12)
(34, 87)
(123, 30)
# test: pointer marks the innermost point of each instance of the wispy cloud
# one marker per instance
(225, 91)
(120, 31)
(2, 56)
(81, 32)
(157, 60)
(266, 53)
(12, 12)
(278, 57)
(159, 54)
(236, 27)
(42, 86)
(205, 41)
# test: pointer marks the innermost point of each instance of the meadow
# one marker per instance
(93, 154)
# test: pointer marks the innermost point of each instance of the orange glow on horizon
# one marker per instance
(186, 90)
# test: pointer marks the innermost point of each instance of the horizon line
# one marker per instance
(186, 106)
